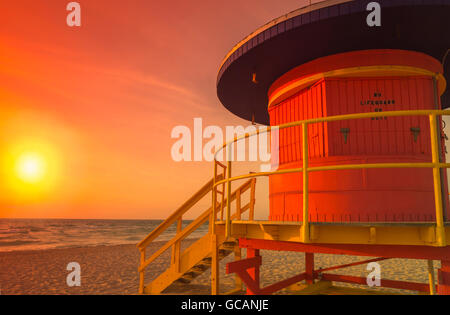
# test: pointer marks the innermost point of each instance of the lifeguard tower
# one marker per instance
(361, 168)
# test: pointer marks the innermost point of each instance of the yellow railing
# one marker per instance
(435, 164)
(181, 234)
(175, 243)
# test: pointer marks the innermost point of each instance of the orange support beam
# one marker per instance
(248, 271)
(412, 252)
(385, 251)
(309, 267)
(403, 285)
(253, 272)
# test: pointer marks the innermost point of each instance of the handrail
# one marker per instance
(183, 233)
(190, 228)
(179, 237)
(400, 113)
(436, 164)
(340, 167)
(178, 213)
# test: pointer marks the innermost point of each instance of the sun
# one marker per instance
(31, 167)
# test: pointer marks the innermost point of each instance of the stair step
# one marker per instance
(206, 261)
(229, 245)
(189, 276)
(224, 253)
(181, 281)
(200, 268)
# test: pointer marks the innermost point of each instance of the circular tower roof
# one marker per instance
(323, 29)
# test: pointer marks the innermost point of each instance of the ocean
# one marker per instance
(37, 234)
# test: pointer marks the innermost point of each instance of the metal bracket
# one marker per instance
(254, 78)
(415, 131)
(345, 132)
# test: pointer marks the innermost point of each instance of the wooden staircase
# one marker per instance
(196, 260)
(225, 249)
(204, 253)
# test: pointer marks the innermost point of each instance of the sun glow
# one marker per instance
(31, 167)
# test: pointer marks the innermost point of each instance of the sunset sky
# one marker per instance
(99, 102)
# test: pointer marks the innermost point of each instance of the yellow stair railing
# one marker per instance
(185, 263)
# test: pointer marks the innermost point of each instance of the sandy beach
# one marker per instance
(113, 270)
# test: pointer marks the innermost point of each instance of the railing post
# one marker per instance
(214, 265)
(222, 204)
(142, 273)
(440, 229)
(431, 279)
(176, 248)
(442, 171)
(228, 216)
(305, 225)
(251, 214)
(214, 254)
(238, 204)
(212, 220)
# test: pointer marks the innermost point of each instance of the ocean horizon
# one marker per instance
(41, 234)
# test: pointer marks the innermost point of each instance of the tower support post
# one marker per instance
(309, 267)
(444, 278)
(254, 271)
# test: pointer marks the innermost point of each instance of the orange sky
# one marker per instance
(104, 98)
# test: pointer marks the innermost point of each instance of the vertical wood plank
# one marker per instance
(142, 273)
(252, 200)
(238, 204)
(176, 248)
(222, 205)
(214, 265)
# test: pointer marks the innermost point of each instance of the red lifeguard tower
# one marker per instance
(361, 168)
